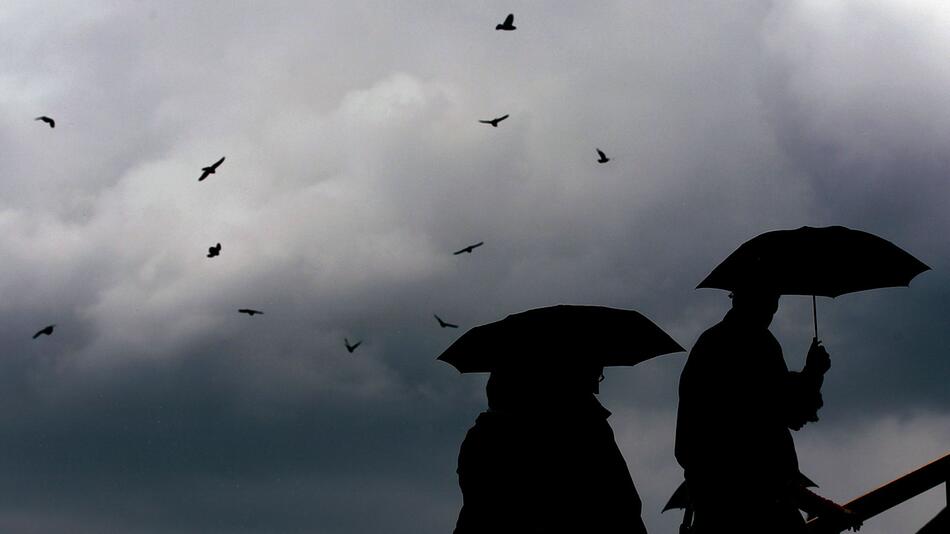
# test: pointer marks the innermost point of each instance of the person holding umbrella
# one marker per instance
(543, 457)
(737, 399)
(737, 402)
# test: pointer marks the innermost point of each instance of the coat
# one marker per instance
(527, 472)
(737, 400)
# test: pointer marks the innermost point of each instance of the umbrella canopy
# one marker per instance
(563, 335)
(828, 261)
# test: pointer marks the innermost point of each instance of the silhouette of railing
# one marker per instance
(895, 492)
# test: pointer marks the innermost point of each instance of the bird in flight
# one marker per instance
(45, 331)
(47, 120)
(469, 248)
(494, 122)
(444, 324)
(603, 157)
(209, 170)
(508, 25)
(250, 311)
(214, 251)
(351, 348)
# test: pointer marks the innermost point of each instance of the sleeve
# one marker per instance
(711, 395)
(803, 392)
(731, 426)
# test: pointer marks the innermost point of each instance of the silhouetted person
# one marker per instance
(494, 122)
(508, 25)
(543, 459)
(737, 402)
(601, 157)
(444, 324)
(351, 348)
(46, 331)
(214, 251)
(250, 312)
(47, 120)
(469, 248)
(210, 169)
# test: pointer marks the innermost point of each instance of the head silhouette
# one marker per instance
(563, 388)
(755, 303)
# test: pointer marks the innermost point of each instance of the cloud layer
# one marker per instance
(355, 166)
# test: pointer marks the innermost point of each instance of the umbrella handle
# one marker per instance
(814, 312)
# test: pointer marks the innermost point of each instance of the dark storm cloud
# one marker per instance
(853, 93)
(139, 446)
(355, 166)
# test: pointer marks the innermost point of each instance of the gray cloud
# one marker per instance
(355, 165)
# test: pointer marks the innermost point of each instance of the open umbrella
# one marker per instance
(828, 262)
(560, 335)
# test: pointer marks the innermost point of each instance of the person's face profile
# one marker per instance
(598, 378)
(758, 303)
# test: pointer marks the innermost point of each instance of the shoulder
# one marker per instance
(713, 340)
(484, 422)
(714, 335)
(715, 355)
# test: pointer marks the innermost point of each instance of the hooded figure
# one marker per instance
(737, 404)
(543, 459)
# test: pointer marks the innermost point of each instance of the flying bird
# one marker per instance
(351, 348)
(603, 157)
(250, 311)
(45, 331)
(444, 324)
(214, 251)
(206, 171)
(508, 25)
(47, 120)
(469, 248)
(494, 122)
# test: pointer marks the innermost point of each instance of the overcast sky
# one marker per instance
(356, 166)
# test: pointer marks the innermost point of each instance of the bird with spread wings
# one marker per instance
(508, 25)
(47, 120)
(468, 249)
(210, 169)
(46, 331)
(494, 122)
(351, 348)
(444, 324)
